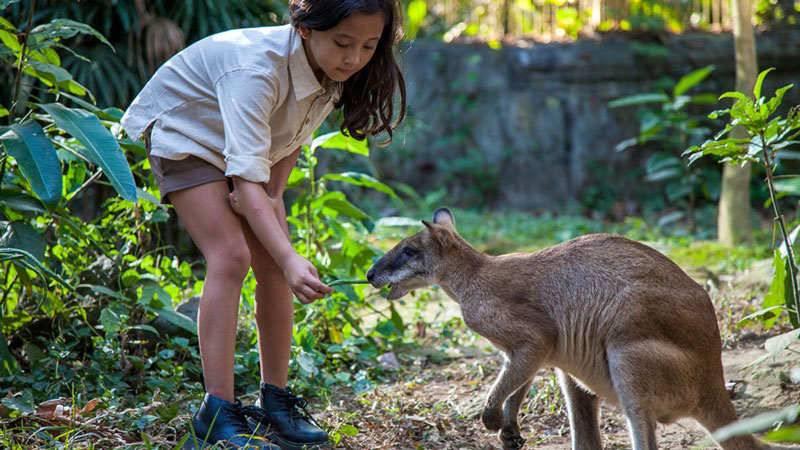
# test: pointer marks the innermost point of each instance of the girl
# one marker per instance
(230, 112)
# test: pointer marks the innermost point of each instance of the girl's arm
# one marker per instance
(265, 213)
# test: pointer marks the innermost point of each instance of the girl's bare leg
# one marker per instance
(274, 310)
(217, 231)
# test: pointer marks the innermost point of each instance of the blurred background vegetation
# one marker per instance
(92, 267)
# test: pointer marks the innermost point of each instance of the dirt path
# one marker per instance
(437, 405)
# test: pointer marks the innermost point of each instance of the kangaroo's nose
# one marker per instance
(370, 274)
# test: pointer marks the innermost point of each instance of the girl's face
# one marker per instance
(344, 49)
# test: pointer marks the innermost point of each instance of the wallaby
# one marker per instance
(616, 318)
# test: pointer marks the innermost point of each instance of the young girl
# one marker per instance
(227, 116)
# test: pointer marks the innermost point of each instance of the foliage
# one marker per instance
(117, 71)
(332, 342)
(78, 297)
(493, 20)
(668, 125)
(81, 299)
(768, 135)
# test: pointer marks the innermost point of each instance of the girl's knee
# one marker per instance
(231, 260)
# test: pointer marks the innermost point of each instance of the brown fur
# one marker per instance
(617, 319)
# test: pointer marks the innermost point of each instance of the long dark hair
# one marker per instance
(367, 100)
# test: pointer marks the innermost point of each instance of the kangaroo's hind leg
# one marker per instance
(510, 434)
(632, 389)
(583, 414)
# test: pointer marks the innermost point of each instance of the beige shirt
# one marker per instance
(241, 100)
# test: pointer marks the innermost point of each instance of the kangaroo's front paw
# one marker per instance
(511, 438)
(492, 419)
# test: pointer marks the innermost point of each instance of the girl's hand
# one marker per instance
(303, 280)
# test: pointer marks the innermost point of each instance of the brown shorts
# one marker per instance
(174, 175)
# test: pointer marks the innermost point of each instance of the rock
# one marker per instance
(388, 361)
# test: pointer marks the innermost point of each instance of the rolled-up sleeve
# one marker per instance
(246, 100)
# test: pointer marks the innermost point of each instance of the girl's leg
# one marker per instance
(274, 312)
(288, 426)
(218, 233)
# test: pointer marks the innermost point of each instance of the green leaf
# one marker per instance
(337, 140)
(360, 179)
(297, 177)
(58, 29)
(37, 159)
(689, 81)
(103, 149)
(4, 3)
(52, 75)
(110, 320)
(306, 362)
(104, 291)
(772, 105)
(778, 290)
(759, 82)
(24, 237)
(8, 364)
(777, 344)
(639, 99)
(734, 95)
(22, 403)
(397, 321)
(342, 206)
(348, 430)
(757, 423)
(10, 40)
(175, 318)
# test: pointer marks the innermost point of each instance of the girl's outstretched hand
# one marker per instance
(303, 280)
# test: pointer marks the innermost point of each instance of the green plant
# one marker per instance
(79, 294)
(331, 342)
(667, 125)
(768, 135)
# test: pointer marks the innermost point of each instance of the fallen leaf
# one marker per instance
(92, 404)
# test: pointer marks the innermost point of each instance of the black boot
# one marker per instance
(218, 420)
(288, 423)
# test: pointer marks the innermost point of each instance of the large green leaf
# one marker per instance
(780, 291)
(22, 202)
(639, 99)
(337, 140)
(758, 423)
(59, 29)
(24, 237)
(37, 159)
(360, 179)
(689, 81)
(759, 82)
(103, 149)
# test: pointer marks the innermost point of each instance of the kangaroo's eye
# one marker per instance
(409, 251)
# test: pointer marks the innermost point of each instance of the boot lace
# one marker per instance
(289, 403)
(235, 413)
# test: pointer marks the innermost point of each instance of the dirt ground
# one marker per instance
(435, 400)
(439, 408)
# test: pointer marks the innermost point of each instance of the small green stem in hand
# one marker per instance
(338, 282)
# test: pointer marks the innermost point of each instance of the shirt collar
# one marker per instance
(303, 78)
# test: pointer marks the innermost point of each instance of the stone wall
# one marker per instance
(530, 127)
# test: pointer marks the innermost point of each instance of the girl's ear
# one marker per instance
(305, 32)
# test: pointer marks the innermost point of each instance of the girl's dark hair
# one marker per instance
(367, 100)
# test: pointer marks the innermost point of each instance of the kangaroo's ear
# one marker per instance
(444, 217)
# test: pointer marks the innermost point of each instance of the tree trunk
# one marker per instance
(733, 225)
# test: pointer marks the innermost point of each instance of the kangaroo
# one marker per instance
(617, 320)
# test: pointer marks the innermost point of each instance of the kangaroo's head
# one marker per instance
(415, 261)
